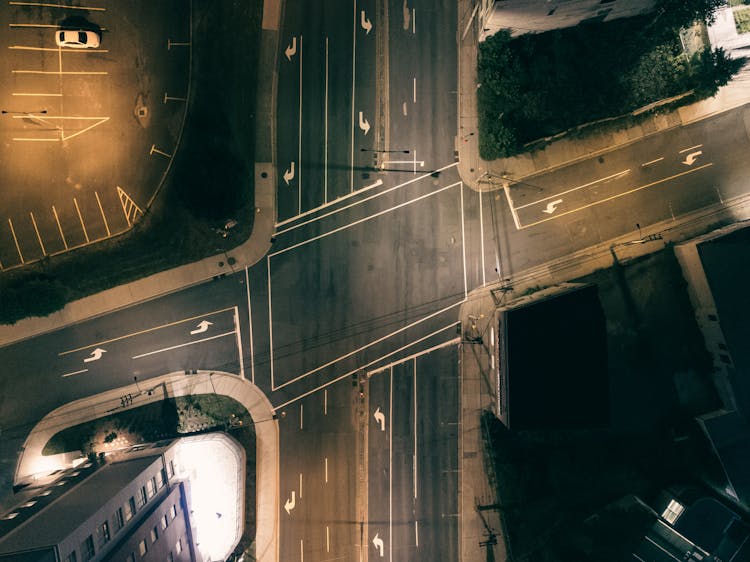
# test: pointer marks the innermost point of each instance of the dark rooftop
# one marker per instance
(557, 362)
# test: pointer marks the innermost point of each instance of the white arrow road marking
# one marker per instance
(366, 24)
(380, 418)
(691, 158)
(291, 50)
(289, 505)
(364, 124)
(552, 206)
(95, 355)
(289, 173)
(377, 542)
(202, 327)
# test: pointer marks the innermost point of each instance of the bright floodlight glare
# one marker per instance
(215, 497)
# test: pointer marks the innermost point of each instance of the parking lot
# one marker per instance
(88, 134)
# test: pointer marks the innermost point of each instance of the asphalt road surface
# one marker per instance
(349, 323)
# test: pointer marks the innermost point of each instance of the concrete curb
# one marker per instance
(32, 465)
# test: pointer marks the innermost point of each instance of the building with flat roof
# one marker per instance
(552, 360)
(716, 267)
(151, 502)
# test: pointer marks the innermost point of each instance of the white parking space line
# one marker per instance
(146, 331)
(61, 6)
(80, 51)
(101, 210)
(451, 326)
(349, 196)
(33, 25)
(38, 236)
(59, 227)
(18, 248)
(186, 344)
(61, 72)
(80, 218)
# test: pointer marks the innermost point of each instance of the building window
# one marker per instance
(130, 509)
(118, 520)
(142, 548)
(673, 511)
(72, 557)
(102, 534)
(87, 549)
(178, 546)
(171, 469)
(131, 557)
(162, 478)
(164, 522)
(173, 512)
(170, 557)
(152, 487)
(154, 534)
(142, 497)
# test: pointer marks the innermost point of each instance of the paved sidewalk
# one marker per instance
(172, 385)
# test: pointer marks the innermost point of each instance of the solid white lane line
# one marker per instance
(250, 319)
(415, 427)
(37, 94)
(270, 318)
(349, 196)
(81, 51)
(354, 75)
(325, 136)
(364, 219)
(390, 465)
(481, 237)
(74, 373)
(61, 6)
(463, 243)
(299, 142)
(572, 189)
(513, 211)
(170, 348)
(691, 148)
(239, 342)
(146, 331)
(57, 72)
(454, 341)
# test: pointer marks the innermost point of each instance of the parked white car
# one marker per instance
(77, 39)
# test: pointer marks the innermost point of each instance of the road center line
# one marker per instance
(652, 162)
(146, 331)
(74, 373)
(691, 148)
(170, 348)
(572, 189)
